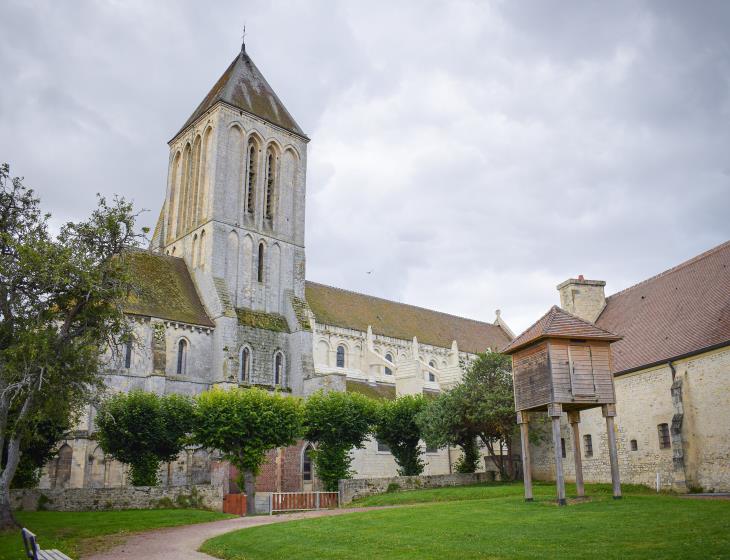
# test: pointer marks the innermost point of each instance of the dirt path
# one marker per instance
(182, 543)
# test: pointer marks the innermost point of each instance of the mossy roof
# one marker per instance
(379, 391)
(243, 86)
(342, 308)
(164, 289)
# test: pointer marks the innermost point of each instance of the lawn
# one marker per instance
(493, 522)
(76, 533)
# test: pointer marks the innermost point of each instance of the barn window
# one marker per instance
(182, 356)
(307, 464)
(562, 447)
(244, 364)
(383, 447)
(389, 357)
(665, 441)
(634, 445)
(251, 178)
(588, 445)
(128, 354)
(260, 271)
(278, 368)
(340, 356)
(270, 176)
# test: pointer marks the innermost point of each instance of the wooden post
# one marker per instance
(609, 411)
(522, 420)
(574, 419)
(554, 411)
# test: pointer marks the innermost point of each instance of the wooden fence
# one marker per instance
(302, 501)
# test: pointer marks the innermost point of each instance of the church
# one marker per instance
(223, 299)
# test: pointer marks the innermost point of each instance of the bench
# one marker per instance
(35, 553)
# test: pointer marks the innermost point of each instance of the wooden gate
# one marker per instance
(302, 501)
(235, 504)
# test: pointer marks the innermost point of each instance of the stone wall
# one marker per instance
(99, 499)
(360, 487)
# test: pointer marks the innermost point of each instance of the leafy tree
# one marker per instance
(61, 304)
(39, 448)
(243, 424)
(336, 423)
(487, 399)
(442, 424)
(397, 427)
(143, 430)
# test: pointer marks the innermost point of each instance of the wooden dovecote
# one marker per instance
(563, 364)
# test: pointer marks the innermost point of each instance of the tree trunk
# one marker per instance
(249, 485)
(7, 521)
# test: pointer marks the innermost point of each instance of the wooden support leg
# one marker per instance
(609, 411)
(554, 411)
(522, 420)
(574, 419)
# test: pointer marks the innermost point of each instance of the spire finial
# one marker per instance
(243, 40)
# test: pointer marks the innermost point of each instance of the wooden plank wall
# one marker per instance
(590, 381)
(531, 377)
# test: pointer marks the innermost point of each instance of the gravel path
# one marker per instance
(182, 543)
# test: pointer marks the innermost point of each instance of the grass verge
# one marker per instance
(78, 533)
(493, 522)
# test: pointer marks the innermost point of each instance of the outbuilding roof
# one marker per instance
(342, 308)
(243, 86)
(681, 311)
(163, 288)
(558, 323)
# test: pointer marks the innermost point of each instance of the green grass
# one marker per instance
(76, 533)
(493, 522)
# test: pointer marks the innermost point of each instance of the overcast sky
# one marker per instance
(472, 155)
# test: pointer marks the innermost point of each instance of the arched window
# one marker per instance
(251, 177)
(194, 252)
(261, 263)
(431, 376)
(340, 356)
(270, 178)
(244, 364)
(182, 356)
(278, 368)
(63, 467)
(128, 354)
(389, 357)
(307, 464)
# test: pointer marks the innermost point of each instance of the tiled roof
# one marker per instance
(243, 86)
(558, 323)
(680, 311)
(164, 289)
(341, 308)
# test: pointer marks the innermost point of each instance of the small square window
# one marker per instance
(431, 449)
(634, 445)
(665, 441)
(383, 447)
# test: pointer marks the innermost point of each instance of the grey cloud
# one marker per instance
(472, 154)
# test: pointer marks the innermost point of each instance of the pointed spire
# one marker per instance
(243, 41)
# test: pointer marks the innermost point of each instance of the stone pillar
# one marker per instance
(609, 412)
(555, 411)
(574, 419)
(522, 420)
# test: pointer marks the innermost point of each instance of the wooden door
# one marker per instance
(582, 380)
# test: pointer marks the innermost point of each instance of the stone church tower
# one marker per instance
(234, 210)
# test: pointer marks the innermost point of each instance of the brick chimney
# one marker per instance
(581, 297)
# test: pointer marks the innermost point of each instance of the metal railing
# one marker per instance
(302, 501)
